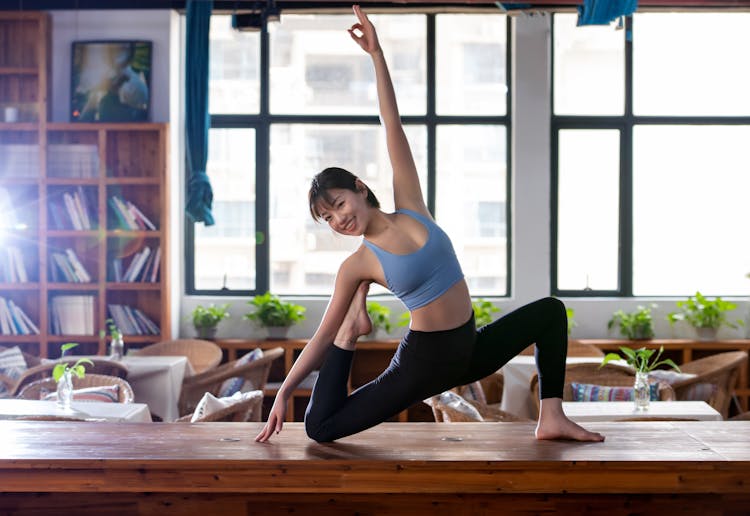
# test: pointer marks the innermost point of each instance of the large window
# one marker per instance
(314, 105)
(650, 167)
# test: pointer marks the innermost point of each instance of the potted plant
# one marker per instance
(705, 315)
(636, 325)
(643, 361)
(483, 311)
(206, 319)
(380, 316)
(117, 344)
(63, 375)
(275, 315)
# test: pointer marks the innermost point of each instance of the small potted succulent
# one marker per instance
(207, 319)
(275, 315)
(705, 315)
(635, 325)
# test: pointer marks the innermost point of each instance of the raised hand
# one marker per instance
(368, 40)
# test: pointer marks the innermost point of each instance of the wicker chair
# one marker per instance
(256, 372)
(722, 370)
(450, 407)
(100, 366)
(203, 355)
(249, 409)
(611, 375)
(10, 383)
(35, 389)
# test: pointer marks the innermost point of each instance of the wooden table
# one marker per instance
(397, 468)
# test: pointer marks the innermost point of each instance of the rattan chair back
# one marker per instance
(38, 388)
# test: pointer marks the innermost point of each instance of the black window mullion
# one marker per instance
(430, 120)
(262, 173)
(626, 172)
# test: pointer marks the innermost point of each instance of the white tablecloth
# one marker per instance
(114, 412)
(618, 410)
(517, 375)
(157, 382)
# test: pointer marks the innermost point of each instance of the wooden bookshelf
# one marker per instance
(60, 179)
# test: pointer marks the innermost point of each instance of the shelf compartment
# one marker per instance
(19, 313)
(19, 204)
(142, 197)
(73, 260)
(135, 154)
(19, 154)
(122, 305)
(19, 258)
(133, 261)
(73, 154)
(73, 313)
(72, 207)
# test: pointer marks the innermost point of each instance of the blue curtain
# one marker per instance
(602, 12)
(199, 193)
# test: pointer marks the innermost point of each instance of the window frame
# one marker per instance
(263, 121)
(625, 124)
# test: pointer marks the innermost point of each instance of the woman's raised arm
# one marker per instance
(407, 192)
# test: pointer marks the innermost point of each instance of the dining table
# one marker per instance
(597, 411)
(157, 382)
(12, 408)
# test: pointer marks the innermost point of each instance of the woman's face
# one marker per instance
(347, 213)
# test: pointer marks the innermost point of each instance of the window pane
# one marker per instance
(234, 78)
(588, 214)
(471, 200)
(470, 67)
(589, 68)
(691, 64)
(225, 252)
(306, 255)
(316, 68)
(690, 187)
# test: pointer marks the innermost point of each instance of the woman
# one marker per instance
(409, 254)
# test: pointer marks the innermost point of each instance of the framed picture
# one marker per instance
(110, 81)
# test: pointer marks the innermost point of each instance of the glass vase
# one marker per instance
(642, 391)
(116, 348)
(65, 391)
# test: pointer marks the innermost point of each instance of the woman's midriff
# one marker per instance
(447, 312)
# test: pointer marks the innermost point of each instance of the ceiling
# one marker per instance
(228, 5)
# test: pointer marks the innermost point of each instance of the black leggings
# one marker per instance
(428, 363)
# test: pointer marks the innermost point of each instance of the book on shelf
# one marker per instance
(72, 315)
(12, 267)
(73, 211)
(129, 216)
(68, 268)
(143, 267)
(132, 321)
(14, 321)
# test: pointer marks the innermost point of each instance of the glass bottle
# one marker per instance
(642, 391)
(65, 391)
(116, 347)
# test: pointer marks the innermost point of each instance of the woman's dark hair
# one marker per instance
(334, 177)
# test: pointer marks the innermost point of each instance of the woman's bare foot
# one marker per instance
(356, 322)
(554, 424)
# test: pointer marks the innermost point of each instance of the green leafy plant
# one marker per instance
(483, 311)
(114, 331)
(701, 312)
(210, 316)
(641, 359)
(380, 316)
(571, 314)
(634, 325)
(271, 311)
(77, 368)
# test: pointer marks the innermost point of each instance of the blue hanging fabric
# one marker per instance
(199, 193)
(603, 12)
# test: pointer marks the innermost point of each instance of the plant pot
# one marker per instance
(206, 332)
(707, 333)
(277, 332)
(642, 333)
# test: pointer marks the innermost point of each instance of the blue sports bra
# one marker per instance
(420, 277)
